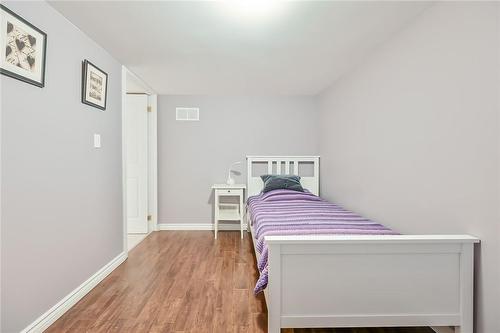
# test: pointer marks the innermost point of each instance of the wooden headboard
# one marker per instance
(282, 165)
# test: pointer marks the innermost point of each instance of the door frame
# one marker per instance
(152, 154)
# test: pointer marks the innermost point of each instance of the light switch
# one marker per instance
(97, 140)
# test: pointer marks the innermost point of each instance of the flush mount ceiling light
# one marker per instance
(252, 9)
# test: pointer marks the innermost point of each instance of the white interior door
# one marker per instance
(137, 163)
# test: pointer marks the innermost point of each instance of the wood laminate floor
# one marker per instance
(183, 281)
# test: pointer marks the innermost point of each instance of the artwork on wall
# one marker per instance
(94, 85)
(23, 48)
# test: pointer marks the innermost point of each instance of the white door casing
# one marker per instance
(137, 163)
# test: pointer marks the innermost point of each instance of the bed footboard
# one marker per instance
(370, 281)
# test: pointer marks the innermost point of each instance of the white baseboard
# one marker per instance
(138, 239)
(199, 226)
(49, 317)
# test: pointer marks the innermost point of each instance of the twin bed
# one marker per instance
(323, 266)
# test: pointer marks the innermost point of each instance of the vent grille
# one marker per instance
(187, 114)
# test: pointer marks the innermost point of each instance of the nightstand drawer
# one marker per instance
(230, 191)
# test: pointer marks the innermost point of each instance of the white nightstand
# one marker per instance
(229, 211)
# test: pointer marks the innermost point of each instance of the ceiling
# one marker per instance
(186, 47)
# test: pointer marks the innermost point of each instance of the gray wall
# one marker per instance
(192, 156)
(410, 138)
(61, 198)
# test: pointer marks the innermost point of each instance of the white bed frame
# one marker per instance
(364, 281)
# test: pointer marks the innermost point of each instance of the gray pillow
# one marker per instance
(278, 182)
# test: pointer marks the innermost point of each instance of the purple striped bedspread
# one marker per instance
(286, 212)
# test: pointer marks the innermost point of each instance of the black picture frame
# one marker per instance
(41, 82)
(85, 84)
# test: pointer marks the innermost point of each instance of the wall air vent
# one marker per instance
(187, 114)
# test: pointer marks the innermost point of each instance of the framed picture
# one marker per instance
(94, 85)
(23, 48)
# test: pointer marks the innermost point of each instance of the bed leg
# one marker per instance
(467, 289)
(272, 328)
(247, 218)
(274, 288)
